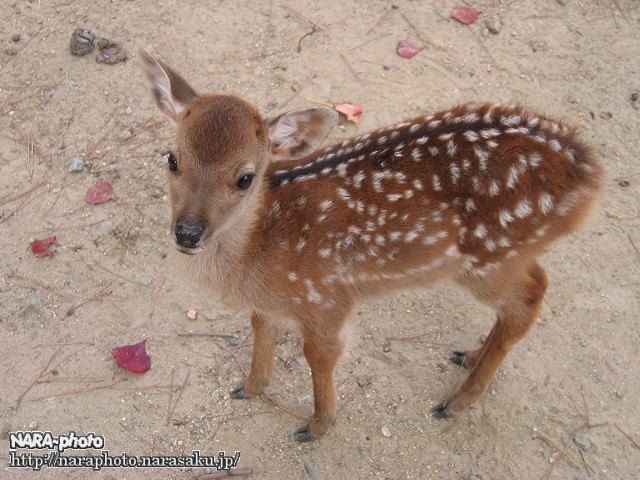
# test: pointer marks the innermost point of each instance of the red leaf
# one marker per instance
(42, 247)
(465, 15)
(407, 50)
(101, 192)
(350, 110)
(133, 357)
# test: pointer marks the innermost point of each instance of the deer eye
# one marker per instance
(244, 181)
(172, 161)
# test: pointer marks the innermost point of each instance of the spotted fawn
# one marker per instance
(297, 235)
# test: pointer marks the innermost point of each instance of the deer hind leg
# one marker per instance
(262, 361)
(517, 312)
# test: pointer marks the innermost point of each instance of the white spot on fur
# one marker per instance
(523, 209)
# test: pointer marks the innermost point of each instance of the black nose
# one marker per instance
(187, 235)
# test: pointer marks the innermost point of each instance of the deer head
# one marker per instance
(222, 148)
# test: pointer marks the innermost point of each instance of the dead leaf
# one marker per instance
(101, 192)
(407, 50)
(465, 15)
(350, 110)
(133, 357)
(42, 247)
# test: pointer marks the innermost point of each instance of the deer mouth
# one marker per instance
(188, 250)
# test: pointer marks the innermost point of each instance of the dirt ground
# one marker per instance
(577, 61)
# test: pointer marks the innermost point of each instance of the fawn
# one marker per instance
(297, 235)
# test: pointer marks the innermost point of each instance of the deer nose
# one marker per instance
(188, 235)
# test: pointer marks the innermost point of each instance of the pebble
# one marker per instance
(34, 303)
(302, 399)
(539, 46)
(110, 51)
(386, 432)
(565, 439)
(192, 314)
(81, 42)
(113, 159)
(233, 341)
(106, 226)
(634, 96)
(77, 165)
(11, 51)
(31, 239)
(128, 111)
(1, 212)
(606, 115)
(311, 472)
(16, 37)
(145, 282)
(583, 441)
(493, 25)
(386, 346)
(124, 135)
(562, 2)
(33, 425)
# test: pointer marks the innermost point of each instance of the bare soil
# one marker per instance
(577, 62)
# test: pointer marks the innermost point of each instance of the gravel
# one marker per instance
(77, 165)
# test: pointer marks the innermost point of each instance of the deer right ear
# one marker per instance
(171, 92)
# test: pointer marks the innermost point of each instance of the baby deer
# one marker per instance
(298, 235)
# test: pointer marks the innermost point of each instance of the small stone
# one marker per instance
(113, 159)
(493, 25)
(11, 51)
(1, 212)
(124, 135)
(33, 425)
(606, 115)
(107, 226)
(81, 41)
(192, 314)
(562, 2)
(31, 239)
(110, 51)
(233, 341)
(386, 432)
(145, 282)
(539, 46)
(310, 471)
(34, 304)
(77, 165)
(386, 346)
(16, 37)
(564, 438)
(128, 111)
(634, 96)
(302, 399)
(583, 441)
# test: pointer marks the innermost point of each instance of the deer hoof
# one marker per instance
(238, 394)
(303, 436)
(440, 411)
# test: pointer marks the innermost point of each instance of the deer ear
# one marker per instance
(171, 92)
(299, 132)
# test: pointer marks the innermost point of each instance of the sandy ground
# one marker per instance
(578, 62)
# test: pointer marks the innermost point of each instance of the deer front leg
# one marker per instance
(262, 361)
(322, 353)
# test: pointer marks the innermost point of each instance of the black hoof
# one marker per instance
(238, 394)
(440, 411)
(458, 358)
(301, 435)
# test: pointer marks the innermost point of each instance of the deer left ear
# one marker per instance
(299, 132)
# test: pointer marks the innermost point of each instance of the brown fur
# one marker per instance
(474, 194)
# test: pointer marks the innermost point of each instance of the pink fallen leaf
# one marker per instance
(350, 110)
(465, 15)
(406, 49)
(42, 247)
(133, 357)
(101, 192)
